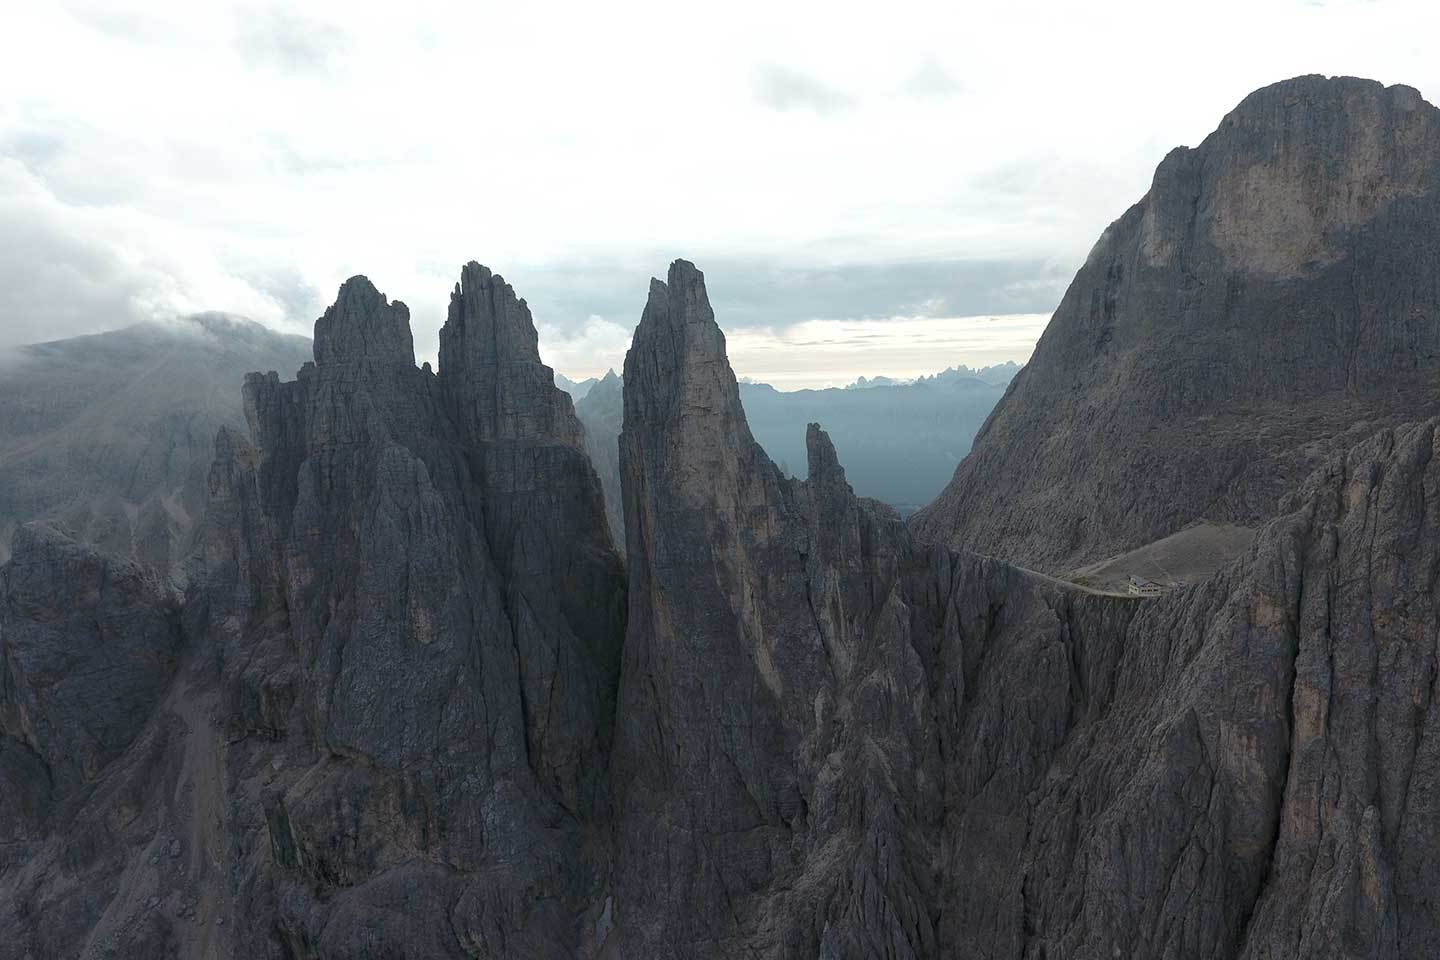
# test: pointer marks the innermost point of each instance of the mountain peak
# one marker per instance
(490, 365)
(1289, 171)
(679, 352)
(487, 322)
(362, 325)
(824, 465)
(1286, 262)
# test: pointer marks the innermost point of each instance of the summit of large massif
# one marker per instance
(1273, 299)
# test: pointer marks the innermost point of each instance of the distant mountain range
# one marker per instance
(899, 440)
(576, 388)
(998, 374)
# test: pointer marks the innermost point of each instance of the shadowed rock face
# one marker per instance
(362, 325)
(849, 745)
(87, 647)
(490, 362)
(751, 602)
(407, 636)
(1270, 302)
(796, 680)
(431, 616)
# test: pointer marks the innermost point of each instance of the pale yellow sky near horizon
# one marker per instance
(826, 353)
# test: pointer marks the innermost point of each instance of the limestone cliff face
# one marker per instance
(429, 620)
(1242, 770)
(797, 688)
(491, 369)
(1270, 302)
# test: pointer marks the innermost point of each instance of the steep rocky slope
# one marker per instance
(847, 745)
(112, 435)
(1272, 300)
(428, 610)
(89, 645)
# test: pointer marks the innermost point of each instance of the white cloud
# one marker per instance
(784, 88)
(599, 345)
(175, 155)
(285, 40)
(832, 353)
(72, 269)
(930, 80)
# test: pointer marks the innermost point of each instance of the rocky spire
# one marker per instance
(490, 367)
(824, 466)
(487, 323)
(677, 361)
(451, 632)
(748, 594)
(363, 326)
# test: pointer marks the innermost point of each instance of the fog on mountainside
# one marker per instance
(112, 435)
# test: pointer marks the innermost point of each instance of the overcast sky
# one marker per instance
(822, 163)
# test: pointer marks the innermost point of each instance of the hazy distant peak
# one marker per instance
(577, 389)
(995, 375)
(865, 383)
